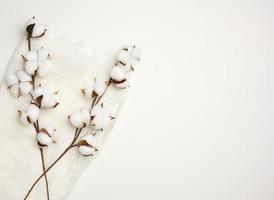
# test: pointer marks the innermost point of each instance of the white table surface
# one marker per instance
(198, 123)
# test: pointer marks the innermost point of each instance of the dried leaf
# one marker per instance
(94, 94)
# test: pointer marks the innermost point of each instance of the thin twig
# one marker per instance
(77, 133)
(29, 43)
(37, 129)
(108, 84)
(72, 145)
(44, 169)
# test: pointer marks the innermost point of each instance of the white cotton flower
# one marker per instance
(14, 89)
(88, 90)
(31, 66)
(11, 79)
(99, 87)
(30, 55)
(44, 137)
(42, 54)
(45, 68)
(23, 118)
(100, 121)
(43, 140)
(24, 88)
(49, 101)
(87, 150)
(46, 98)
(132, 50)
(31, 21)
(89, 138)
(94, 87)
(19, 84)
(38, 30)
(33, 112)
(100, 117)
(28, 113)
(79, 119)
(123, 56)
(85, 115)
(87, 145)
(117, 73)
(23, 76)
(129, 57)
(97, 109)
(39, 91)
(35, 29)
(76, 120)
(136, 53)
(133, 63)
(38, 61)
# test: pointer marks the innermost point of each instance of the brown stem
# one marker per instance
(108, 84)
(44, 169)
(33, 80)
(29, 43)
(37, 129)
(36, 126)
(72, 145)
(77, 133)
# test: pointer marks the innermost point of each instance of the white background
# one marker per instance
(198, 123)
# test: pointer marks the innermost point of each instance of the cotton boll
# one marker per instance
(43, 54)
(23, 76)
(31, 66)
(129, 56)
(76, 120)
(90, 139)
(45, 68)
(11, 79)
(117, 73)
(24, 88)
(44, 140)
(14, 89)
(50, 130)
(99, 87)
(28, 113)
(85, 116)
(100, 121)
(87, 150)
(88, 90)
(31, 55)
(49, 101)
(23, 118)
(31, 21)
(41, 90)
(96, 110)
(136, 53)
(123, 56)
(38, 30)
(33, 112)
(134, 62)
(87, 145)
